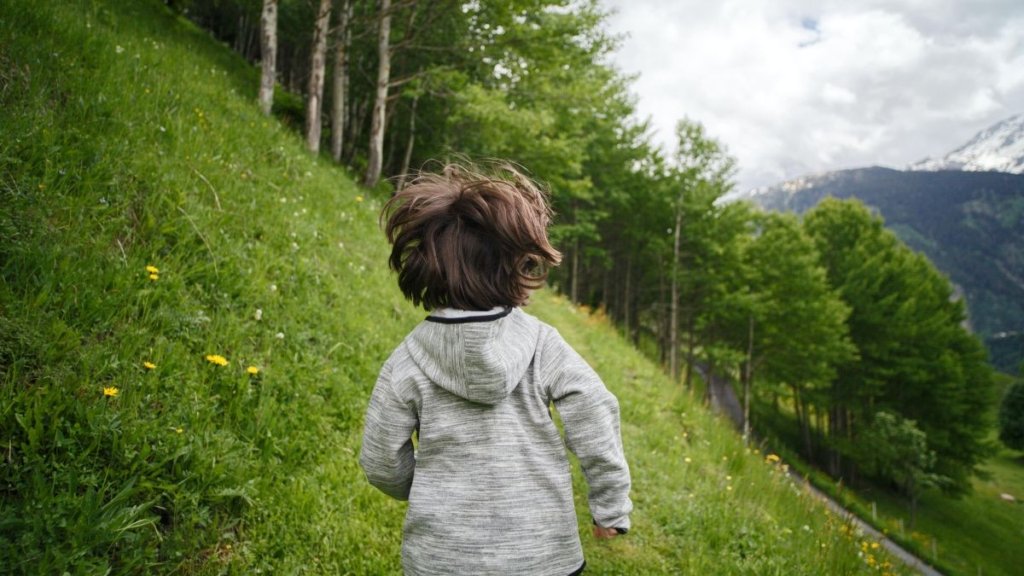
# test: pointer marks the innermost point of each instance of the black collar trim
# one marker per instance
(467, 319)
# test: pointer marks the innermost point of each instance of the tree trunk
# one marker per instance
(268, 55)
(408, 145)
(375, 153)
(691, 352)
(662, 322)
(673, 327)
(627, 307)
(316, 76)
(747, 381)
(342, 37)
(574, 294)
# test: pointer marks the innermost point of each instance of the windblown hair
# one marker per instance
(468, 240)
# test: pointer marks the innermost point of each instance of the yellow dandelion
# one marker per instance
(149, 365)
(152, 269)
(359, 198)
(111, 391)
(687, 460)
(771, 458)
(179, 430)
(252, 370)
(154, 277)
(217, 359)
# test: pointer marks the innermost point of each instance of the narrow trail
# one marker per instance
(724, 400)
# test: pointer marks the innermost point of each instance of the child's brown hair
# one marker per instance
(467, 240)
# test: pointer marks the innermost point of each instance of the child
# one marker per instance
(488, 483)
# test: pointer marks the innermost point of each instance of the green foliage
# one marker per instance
(968, 224)
(1011, 417)
(896, 450)
(915, 357)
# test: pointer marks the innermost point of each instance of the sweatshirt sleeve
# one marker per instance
(387, 453)
(590, 414)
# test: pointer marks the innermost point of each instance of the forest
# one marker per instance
(828, 321)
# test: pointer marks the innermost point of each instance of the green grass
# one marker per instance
(131, 139)
(978, 532)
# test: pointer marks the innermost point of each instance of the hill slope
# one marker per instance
(192, 315)
(969, 224)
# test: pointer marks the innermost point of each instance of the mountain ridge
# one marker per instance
(998, 148)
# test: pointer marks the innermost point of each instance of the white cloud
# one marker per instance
(798, 86)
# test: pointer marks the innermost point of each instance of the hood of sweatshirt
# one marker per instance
(479, 358)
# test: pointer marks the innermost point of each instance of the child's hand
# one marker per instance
(602, 533)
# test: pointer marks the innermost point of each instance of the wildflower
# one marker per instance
(149, 365)
(258, 315)
(179, 430)
(152, 269)
(771, 458)
(687, 460)
(252, 370)
(154, 277)
(359, 198)
(111, 391)
(119, 49)
(279, 335)
(217, 359)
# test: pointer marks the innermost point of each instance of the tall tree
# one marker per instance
(317, 66)
(268, 55)
(795, 328)
(339, 92)
(703, 170)
(375, 150)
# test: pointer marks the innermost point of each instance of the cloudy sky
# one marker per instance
(794, 87)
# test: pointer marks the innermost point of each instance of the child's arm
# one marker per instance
(590, 414)
(387, 452)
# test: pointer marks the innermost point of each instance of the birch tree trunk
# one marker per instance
(673, 327)
(268, 55)
(316, 76)
(339, 101)
(375, 153)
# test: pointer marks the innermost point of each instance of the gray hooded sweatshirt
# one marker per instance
(488, 484)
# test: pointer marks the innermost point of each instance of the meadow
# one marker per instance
(192, 314)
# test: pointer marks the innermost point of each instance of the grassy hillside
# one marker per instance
(192, 315)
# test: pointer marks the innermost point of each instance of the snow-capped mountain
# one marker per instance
(998, 148)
